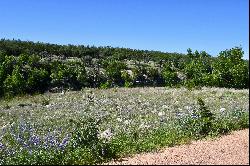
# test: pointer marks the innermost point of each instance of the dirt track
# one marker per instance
(230, 149)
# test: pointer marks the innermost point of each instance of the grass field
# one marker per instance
(94, 125)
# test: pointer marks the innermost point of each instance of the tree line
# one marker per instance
(29, 67)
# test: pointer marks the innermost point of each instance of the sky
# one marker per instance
(160, 25)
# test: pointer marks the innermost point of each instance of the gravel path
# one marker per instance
(230, 149)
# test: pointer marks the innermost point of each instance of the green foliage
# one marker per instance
(190, 84)
(139, 73)
(170, 76)
(197, 70)
(230, 70)
(68, 75)
(43, 66)
(205, 119)
(37, 80)
(127, 78)
(84, 146)
(234, 120)
(200, 123)
(105, 85)
(113, 70)
(128, 84)
(154, 76)
(85, 139)
(14, 84)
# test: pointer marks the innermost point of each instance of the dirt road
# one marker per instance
(232, 149)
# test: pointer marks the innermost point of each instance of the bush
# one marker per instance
(200, 122)
(68, 75)
(170, 76)
(128, 84)
(14, 84)
(105, 85)
(113, 71)
(38, 80)
(230, 69)
(127, 78)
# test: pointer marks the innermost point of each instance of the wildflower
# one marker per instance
(1, 145)
(189, 108)
(179, 114)
(107, 134)
(194, 116)
(154, 111)
(142, 126)
(64, 142)
(222, 109)
(127, 122)
(35, 140)
(48, 106)
(161, 113)
(164, 107)
(119, 119)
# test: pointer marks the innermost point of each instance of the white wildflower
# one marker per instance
(222, 109)
(107, 134)
(48, 106)
(189, 108)
(143, 126)
(63, 92)
(154, 111)
(179, 114)
(164, 107)
(161, 113)
(127, 122)
(119, 119)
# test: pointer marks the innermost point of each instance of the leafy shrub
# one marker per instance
(128, 84)
(38, 80)
(154, 76)
(105, 85)
(68, 75)
(127, 78)
(14, 84)
(205, 118)
(113, 70)
(189, 84)
(170, 76)
(230, 69)
(200, 122)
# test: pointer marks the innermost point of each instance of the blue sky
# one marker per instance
(162, 25)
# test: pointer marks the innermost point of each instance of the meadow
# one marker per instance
(94, 125)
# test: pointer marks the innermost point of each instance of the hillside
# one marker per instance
(29, 67)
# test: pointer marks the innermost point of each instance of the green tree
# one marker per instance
(230, 70)
(170, 76)
(38, 80)
(127, 78)
(113, 71)
(14, 84)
